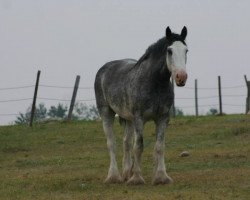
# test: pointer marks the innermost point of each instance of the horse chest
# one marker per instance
(155, 111)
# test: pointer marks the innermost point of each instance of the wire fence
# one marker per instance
(213, 97)
(92, 100)
(45, 98)
(42, 98)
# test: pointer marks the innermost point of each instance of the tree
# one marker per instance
(85, 112)
(40, 114)
(212, 111)
(59, 111)
(179, 112)
(23, 118)
(81, 112)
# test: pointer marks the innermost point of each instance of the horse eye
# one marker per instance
(170, 52)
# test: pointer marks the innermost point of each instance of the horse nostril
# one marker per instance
(177, 76)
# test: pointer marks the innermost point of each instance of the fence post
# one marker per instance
(248, 95)
(33, 109)
(196, 98)
(220, 98)
(172, 110)
(72, 103)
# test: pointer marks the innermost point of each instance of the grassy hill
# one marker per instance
(60, 160)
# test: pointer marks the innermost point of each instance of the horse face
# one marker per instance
(176, 61)
(176, 57)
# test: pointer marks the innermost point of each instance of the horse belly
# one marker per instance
(122, 112)
(148, 114)
(153, 113)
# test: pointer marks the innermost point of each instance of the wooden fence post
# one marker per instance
(172, 110)
(33, 109)
(72, 103)
(220, 98)
(196, 98)
(248, 95)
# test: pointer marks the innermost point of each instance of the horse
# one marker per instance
(140, 91)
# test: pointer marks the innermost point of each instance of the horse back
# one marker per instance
(111, 82)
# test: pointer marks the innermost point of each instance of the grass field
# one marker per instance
(60, 160)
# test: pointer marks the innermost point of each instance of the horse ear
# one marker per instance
(168, 33)
(184, 33)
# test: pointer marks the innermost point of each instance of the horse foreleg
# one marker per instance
(160, 175)
(138, 149)
(113, 173)
(127, 147)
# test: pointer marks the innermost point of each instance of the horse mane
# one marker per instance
(159, 48)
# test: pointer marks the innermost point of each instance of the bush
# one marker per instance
(81, 112)
(212, 111)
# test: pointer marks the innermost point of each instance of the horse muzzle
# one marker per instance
(180, 78)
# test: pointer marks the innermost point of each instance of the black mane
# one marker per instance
(159, 48)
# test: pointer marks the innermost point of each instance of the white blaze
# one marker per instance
(177, 61)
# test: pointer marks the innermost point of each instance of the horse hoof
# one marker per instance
(113, 179)
(136, 180)
(126, 175)
(162, 178)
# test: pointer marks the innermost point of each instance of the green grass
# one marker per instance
(60, 160)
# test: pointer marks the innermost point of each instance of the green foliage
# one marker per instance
(179, 112)
(85, 112)
(23, 118)
(40, 114)
(81, 112)
(59, 111)
(212, 111)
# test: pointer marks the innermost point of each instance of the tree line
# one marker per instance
(81, 111)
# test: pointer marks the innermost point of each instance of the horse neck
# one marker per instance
(157, 71)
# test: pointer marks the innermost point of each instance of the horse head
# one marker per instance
(176, 55)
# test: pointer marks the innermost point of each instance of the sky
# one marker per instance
(65, 38)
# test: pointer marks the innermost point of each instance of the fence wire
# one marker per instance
(15, 100)
(17, 88)
(215, 88)
(64, 87)
(93, 99)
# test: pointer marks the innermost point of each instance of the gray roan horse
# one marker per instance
(139, 91)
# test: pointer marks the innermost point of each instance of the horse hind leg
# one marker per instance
(127, 148)
(108, 119)
(137, 178)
